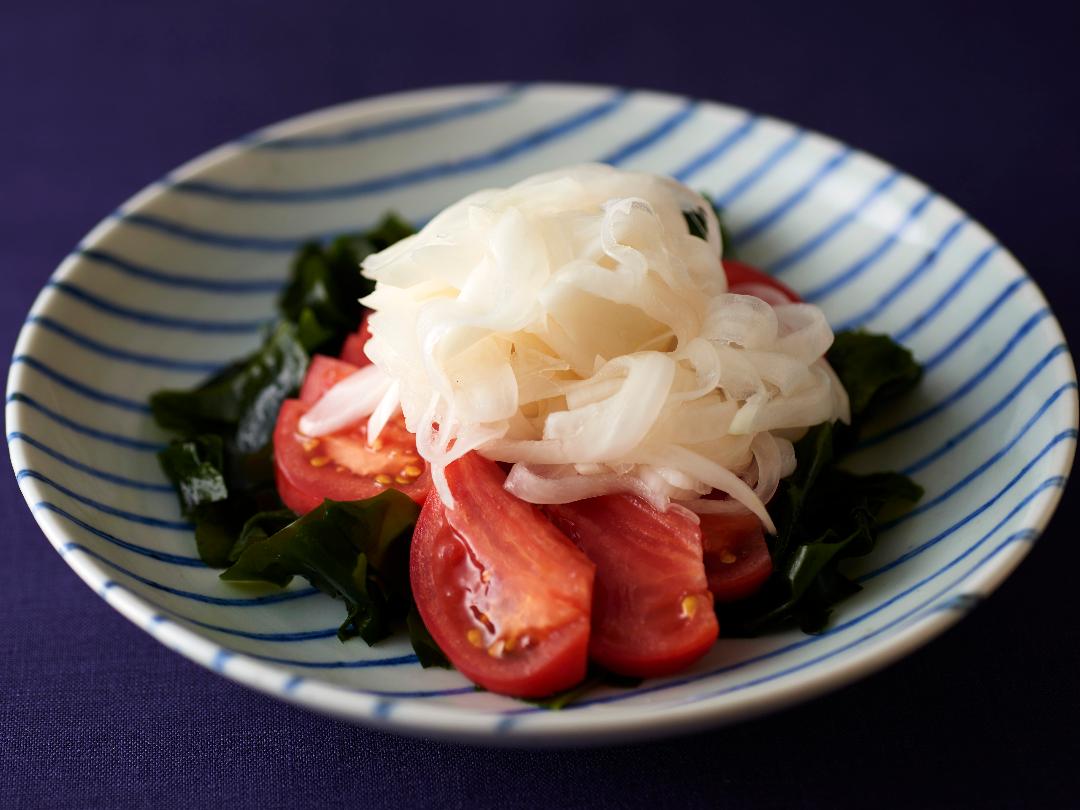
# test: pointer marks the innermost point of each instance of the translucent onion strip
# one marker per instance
(346, 403)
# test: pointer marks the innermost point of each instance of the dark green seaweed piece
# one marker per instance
(356, 551)
(241, 402)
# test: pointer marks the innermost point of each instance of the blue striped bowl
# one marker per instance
(181, 278)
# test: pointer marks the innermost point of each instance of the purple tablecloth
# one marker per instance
(978, 99)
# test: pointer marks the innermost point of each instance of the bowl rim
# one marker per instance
(417, 717)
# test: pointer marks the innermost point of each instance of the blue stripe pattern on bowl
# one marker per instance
(181, 278)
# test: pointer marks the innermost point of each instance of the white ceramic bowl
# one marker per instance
(180, 278)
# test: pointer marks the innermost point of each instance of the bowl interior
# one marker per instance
(181, 279)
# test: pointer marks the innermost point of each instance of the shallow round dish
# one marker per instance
(181, 278)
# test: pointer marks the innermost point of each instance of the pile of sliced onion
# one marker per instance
(572, 326)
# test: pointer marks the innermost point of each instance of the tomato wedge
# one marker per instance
(737, 560)
(652, 610)
(341, 466)
(352, 351)
(742, 278)
(503, 592)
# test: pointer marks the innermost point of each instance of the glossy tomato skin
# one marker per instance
(652, 609)
(295, 498)
(505, 595)
(352, 351)
(743, 278)
(737, 560)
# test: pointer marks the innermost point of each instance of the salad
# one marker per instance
(556, 433)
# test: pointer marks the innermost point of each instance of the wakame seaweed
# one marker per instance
(323, 297)
(698, 225)
(356, 551)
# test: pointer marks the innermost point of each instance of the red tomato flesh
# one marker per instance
(505, 594)
(341, 466)
(737, 560)
(652, 610)
(353, 349)
(743, 278)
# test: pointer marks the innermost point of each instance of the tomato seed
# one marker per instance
(320, 461)
(383, 479)
(689, 606)
(728, 557)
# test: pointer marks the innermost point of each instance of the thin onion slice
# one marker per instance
(347, 402)
(387, 407)
(560, 484)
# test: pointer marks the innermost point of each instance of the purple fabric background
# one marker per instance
(978, 99)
